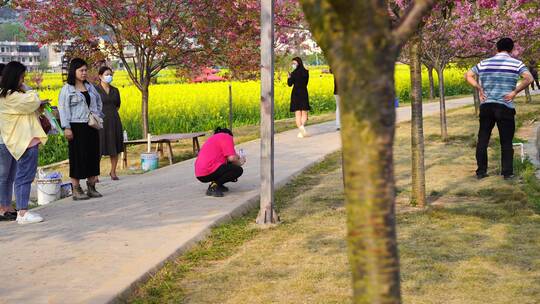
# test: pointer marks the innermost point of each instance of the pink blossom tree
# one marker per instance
(436, 53)
(162, 33)
(479, 24)
(189, 34)
(468, 29)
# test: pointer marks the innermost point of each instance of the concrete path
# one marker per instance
(90, 252)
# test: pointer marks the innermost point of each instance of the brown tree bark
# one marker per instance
(362, 46)
(431, 82)
(144, 108)
(528, 97)
(418, 194)
(476, 98)
(442, 104)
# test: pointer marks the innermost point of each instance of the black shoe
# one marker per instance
(223, 188)
(8, 216)
(482, 175)
(213, 190)
(509, 177)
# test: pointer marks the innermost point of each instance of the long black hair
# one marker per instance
(2, 66)
(223, 130)
(11, 78)
(300, 63)
(74, 65)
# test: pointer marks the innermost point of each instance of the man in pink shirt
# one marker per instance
(218, 163)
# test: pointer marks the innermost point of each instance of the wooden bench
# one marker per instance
(167, 139)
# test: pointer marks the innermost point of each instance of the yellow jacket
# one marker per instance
(19, 122)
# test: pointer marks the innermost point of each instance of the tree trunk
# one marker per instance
(442, 104)
(368, 122)
(476, 98)
(144, 109)
(230, 108)
(528, 95)
(362, 48)
(418, 195)
(431, 82)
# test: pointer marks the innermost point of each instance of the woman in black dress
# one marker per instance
(77, 101)
(299, 79)
(111, 136)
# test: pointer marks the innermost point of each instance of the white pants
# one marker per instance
(338, 120)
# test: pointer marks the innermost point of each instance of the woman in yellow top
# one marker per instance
(20, 133)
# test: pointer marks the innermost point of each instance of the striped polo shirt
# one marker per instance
(499, 76)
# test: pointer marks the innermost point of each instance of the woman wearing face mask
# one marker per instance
(299, 79)
(78, 99)
(111, 136)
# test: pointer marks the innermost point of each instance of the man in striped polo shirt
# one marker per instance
(498, 77)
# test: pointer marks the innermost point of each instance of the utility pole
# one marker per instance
(267, 213)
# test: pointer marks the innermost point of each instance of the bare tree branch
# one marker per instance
(409, 23)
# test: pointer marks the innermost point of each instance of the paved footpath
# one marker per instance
(93, 251)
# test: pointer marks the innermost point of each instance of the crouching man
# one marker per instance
(218, 163)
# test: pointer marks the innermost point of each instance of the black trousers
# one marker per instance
(224, 174)
(491, 114)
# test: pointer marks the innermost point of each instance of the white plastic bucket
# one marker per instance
(149, 161)
(48, 190)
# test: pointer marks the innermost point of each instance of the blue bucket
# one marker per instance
(149, 161)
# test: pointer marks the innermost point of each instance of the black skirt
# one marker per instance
(84, 152)
(300, 101)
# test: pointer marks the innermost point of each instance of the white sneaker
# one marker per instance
(300, 135)
(29, 218)
(303, 131)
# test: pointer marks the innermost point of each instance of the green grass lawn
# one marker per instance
(477, 243)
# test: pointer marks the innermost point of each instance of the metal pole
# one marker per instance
(267, 214)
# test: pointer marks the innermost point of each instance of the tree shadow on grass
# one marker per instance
(457, 247)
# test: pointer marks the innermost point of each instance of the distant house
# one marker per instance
(28, 53)
(207, 75)
(54, 54)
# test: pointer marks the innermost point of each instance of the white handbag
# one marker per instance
(95, 121)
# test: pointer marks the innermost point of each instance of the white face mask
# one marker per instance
(294, 66)
(107, 78)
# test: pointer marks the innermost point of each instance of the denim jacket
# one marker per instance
(73, 108)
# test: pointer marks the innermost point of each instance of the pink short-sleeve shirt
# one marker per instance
(214, 153)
